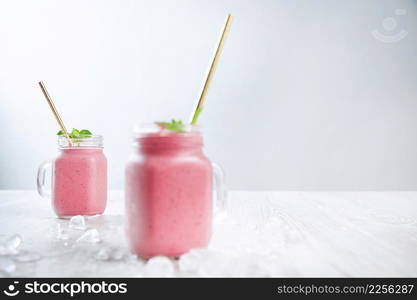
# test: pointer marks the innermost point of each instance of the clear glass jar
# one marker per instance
(79, 177)
(168, 191)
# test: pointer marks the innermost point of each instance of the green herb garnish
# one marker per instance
(85, 132)
(77, 134)
(176, 126)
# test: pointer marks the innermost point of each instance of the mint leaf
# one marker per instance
(176, 126)
(77, 134)
(74, 133)
(85, 133)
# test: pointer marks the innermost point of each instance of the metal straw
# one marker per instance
(54, 111)
(213, 63)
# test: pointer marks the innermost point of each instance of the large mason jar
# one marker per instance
(168, 190)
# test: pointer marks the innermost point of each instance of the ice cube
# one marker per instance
(103, 254)
(90, 236)
(27, 256)
(78, 223)
(11, 245)
(190, 261)
(7, 265)
(159, 266)
(62, 234)
(3, 249)
(117, 254)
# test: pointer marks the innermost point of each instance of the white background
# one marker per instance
(304, 97)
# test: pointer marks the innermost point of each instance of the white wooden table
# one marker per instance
(262, 234)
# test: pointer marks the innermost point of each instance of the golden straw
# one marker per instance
(213, 63)
(54, 111)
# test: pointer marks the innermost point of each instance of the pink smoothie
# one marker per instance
(168, 195)
(79, 182)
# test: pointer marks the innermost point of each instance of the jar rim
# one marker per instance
(93, 141)
(143, 129)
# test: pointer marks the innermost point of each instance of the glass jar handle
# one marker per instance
(41, 180)
(219, 188)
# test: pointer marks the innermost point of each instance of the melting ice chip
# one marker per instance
(103, 254)
(78, 223)
(117, 254)
(159, 266)
(27, 256)
(90, 236)
(11, 245)
(62, 233)
(110, 254)
(190, 261)
(3, 249)
(7, 265)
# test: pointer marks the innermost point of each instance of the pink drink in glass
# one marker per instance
(79, 178)
(79, 184)
(168, 194)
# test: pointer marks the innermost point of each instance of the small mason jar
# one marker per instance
(168, 190)
(79, 177)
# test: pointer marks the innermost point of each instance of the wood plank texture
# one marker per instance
(260, 234)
